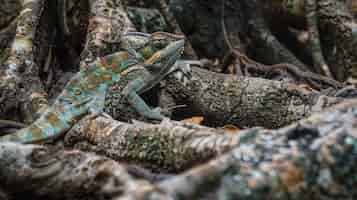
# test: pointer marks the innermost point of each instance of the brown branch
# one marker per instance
(108, 22)
(224, 99)
(169, 146)
(337, 23)
(58, 174)
(20, 82)
(311, 159)
(338, 26)
(175, 27)
(316, 154)
(315, 81)
(304, 160)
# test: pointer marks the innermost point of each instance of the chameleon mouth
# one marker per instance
(174, 49)
(166, 59)
(137, 34)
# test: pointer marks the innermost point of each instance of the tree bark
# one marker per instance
(339, 33)
(166, 147)
(107, 23)
(225, 99)
(311, 159)
(307, 160)
(245, 101)
(58, 174)
(19, 75)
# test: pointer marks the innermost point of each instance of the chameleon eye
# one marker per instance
(147, 52)
(159, 44)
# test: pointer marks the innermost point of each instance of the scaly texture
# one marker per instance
(85, 92)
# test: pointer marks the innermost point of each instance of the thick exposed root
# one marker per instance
(20, 82)
(301, 160)
(107, 23)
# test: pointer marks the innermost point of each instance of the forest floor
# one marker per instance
(261, 105)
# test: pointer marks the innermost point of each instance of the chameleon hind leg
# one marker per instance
(131, 93)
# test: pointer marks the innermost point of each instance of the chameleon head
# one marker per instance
(158, 47)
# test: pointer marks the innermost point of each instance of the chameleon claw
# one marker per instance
(158, 113)
(182, 70)
(153, 114)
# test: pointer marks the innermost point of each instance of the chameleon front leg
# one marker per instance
(131, 93)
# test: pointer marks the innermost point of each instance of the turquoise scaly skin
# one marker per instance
(85, 92)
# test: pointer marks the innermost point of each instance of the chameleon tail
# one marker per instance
(51, 124)
(47, 126)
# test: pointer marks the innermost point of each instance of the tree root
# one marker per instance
(314, 39)
(265, 41)
(338, 26)
(167, 147)
(108, 22)
(311, 159)
(245, 101)
(175, 27)
(62, 17)
(20, 67)
(60, 174)
(315, 81)
(221, 99)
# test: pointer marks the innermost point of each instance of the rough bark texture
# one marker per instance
(107, 23)
(201, 21)
(59, 174)
(311, 159)
(20, 82)
(8, 13)
(226, 99)
(147, 20)
(169, 146)
(307, 160)
(243, 19)
(339, 33)
(335, 21)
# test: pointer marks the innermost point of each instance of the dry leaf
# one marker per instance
(231, 128)
(306, 87)
(194, 120)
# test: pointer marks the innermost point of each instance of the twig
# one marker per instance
(306, 75)
(230, 55)
(62, 17)
(314, 39)
(173, 24)
(9, 123)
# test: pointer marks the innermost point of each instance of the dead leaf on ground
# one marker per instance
(230, 128)
(194, 120)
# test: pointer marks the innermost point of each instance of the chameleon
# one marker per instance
(85, 92)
